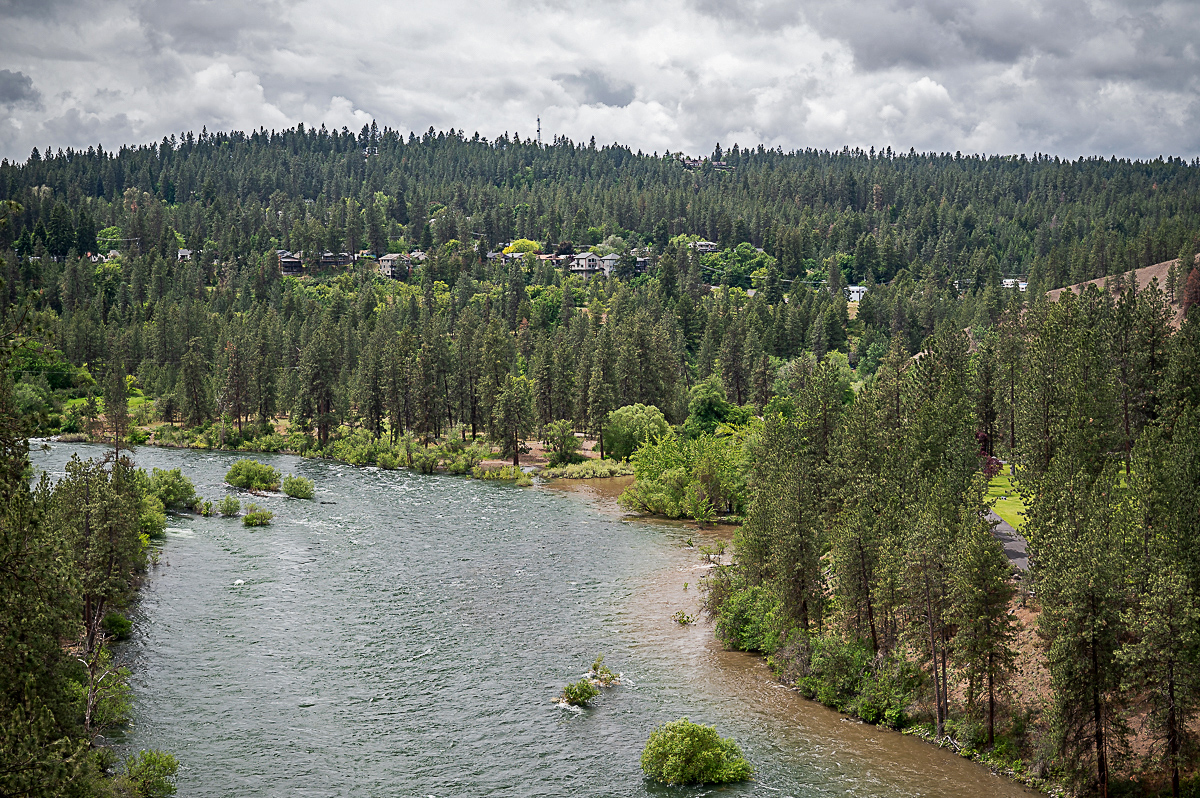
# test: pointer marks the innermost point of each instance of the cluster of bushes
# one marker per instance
(251, 438)
(578, 694)
(841, 674)
(509, 473)
(589, 469)
(680, 477)
(255, 516)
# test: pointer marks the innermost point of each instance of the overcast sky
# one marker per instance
(1065, 77)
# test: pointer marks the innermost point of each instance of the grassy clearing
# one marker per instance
(1008, 502)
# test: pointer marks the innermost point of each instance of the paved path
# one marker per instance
(1014, 544)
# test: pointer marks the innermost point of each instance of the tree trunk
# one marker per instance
(933, 658)
(862, 558)
(991, 740)
(1098, 714)
(1172, 731)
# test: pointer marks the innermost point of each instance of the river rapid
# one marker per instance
(405, 635)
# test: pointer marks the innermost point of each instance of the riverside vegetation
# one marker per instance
(848, 441)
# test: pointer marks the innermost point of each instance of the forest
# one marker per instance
(851, 444)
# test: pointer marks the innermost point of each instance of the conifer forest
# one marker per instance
(227, 291)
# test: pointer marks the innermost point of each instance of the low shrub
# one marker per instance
(425, 461)
(601, 673)
(503, 473)
(387, 461)
(590, 469)
(257, 517)
(150, 774)
(748, 620)
(577, 694)
(252, 475)
(682, 752)
(298, 487)
(229, 506)
(117, 626)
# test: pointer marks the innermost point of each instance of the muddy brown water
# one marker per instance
(405, 635)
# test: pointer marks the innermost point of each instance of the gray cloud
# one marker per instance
(591, 87)
(1105, 77)
(16, 87)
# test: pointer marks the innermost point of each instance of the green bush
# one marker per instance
(229, 506)
(172, 488)
(563, 443)
(257, 517)
(425, 461)
(577, 694)
(601, 673)
(387, 461)
(298, 487)
(150, 774)
(503, 473)
(747, 620)
(682, 752)
(589, 469)
(117, 625)
(252, 475)
(835, 671)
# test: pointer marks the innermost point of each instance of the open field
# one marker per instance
(1008, 504)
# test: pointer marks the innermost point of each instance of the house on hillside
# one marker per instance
(330, 260)
(394, 265)
(704, 247)
(855, 293)
(182, 255)
(586, 264)
(290, 265)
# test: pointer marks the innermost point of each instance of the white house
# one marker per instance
(855, 293)
(703, 246)
(1008, 282)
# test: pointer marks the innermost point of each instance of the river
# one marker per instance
(405, 635)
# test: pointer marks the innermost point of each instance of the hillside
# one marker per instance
(1144, 277)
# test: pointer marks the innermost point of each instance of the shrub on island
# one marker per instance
(298, 487)
(250, 474)
(682, 752)
(577, 694)
(229, 506)
(257, 517)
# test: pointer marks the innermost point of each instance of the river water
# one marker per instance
(405, 635)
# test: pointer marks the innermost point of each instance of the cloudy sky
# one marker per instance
(1067, 77)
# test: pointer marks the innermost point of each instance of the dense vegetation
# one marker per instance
(850, 441)
(70, 556)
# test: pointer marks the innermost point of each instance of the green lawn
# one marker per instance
(1008, 504)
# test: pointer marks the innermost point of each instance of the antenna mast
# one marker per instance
(539, 131)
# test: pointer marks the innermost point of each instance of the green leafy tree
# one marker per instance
(630, 426)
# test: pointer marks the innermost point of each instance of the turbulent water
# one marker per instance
(405, 635)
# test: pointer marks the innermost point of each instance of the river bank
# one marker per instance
(744, 680)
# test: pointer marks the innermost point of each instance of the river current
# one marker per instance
(405, 635)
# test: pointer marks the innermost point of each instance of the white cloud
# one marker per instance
(977, 75)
